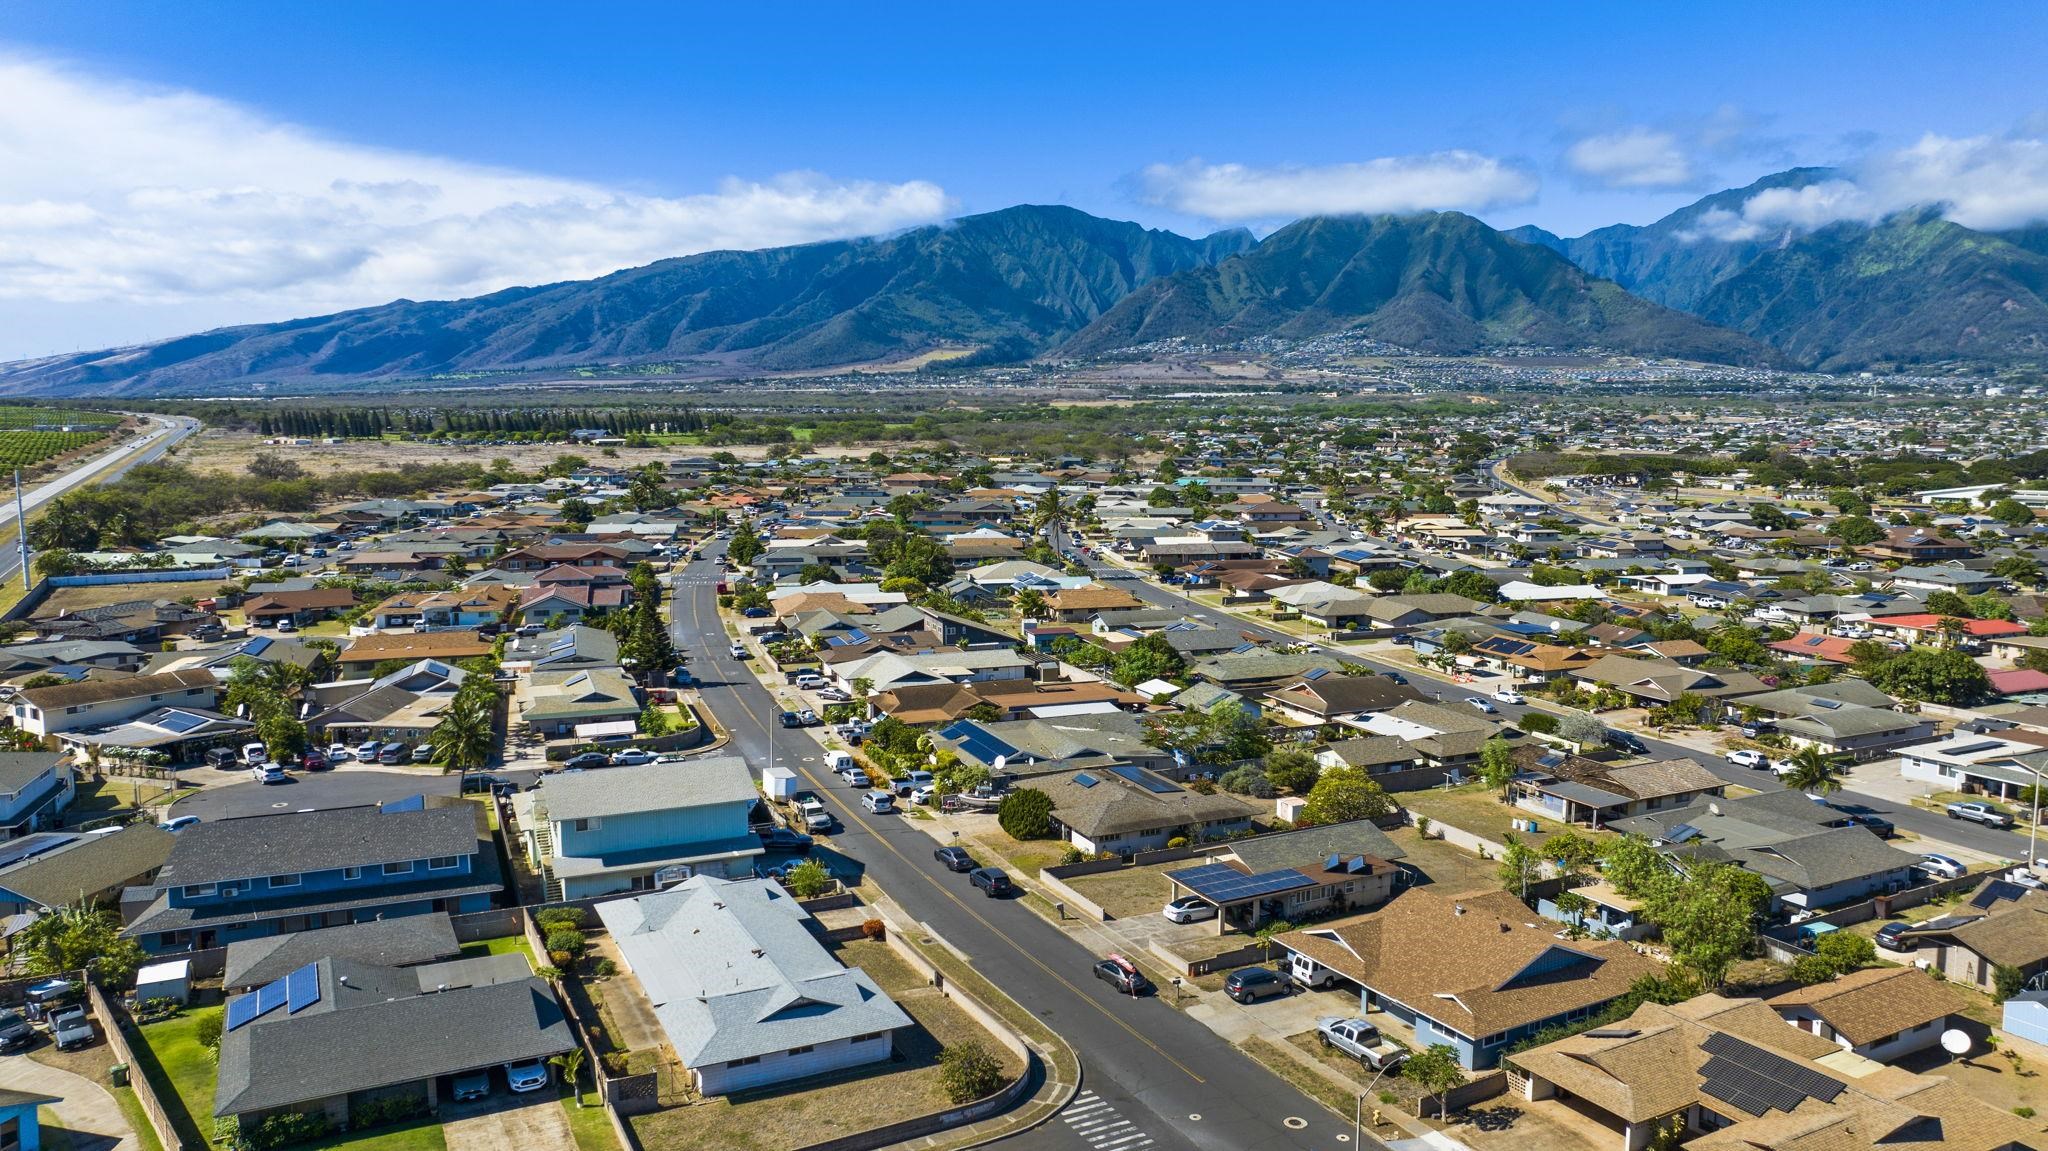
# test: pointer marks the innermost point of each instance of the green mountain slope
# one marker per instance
(1912, 289)
(1012, 282)
(1439, 282)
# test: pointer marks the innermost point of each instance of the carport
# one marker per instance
(1243, 901)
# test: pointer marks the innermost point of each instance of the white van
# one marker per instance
(838, 761)
(253, 753)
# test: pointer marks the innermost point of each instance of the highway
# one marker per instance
(109, 465)
(1153, 1078)
(1921, 822)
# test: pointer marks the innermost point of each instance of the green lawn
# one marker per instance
(587, 1123)
(131, 1107)
(503, 945)
(182, 1072)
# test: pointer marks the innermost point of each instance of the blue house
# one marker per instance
(640, 828)
(19, 1130)
(247, 878)
(35, 788)
(1478, 972)
(2026, 1015)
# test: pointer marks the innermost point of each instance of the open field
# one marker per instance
(216, 450)
(1451, 869)
(65, 599)
(1477, 808)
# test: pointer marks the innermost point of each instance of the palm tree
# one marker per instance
(1815, 771)
(463, 739)
(571, 1063)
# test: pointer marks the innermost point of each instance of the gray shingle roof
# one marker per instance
(1310, 847)
(402, 941)
(732, 971)
(18, 769)
(316, 841)
(88, 866)
(649, 787)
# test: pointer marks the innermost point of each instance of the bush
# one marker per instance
(1072, 855)
(1177, 841)
(392, 1109)
(604, 969)
(1247, 781)
(1026, 813)
(561, 960)
(1202, 786)
(208, 1033)
(969, 1071)
(1542, 723)
(614, 1063)
(874, 929)
(567, 940)
(808, 880)
(550, 918)
(280, 1131)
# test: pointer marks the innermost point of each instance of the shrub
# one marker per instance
(567, 940)
(808, 880)
(873, 929)
(1542, 723)
(1026, 813)
(2024, 1112)
(550, 918)
(1072, 855)
(968, 1071)
(1202, 786)
(561, 961)
(614, 1063)
(604, 969)
(208, 1033)
(280, 1131)
(1247, 781)
(1177, 841)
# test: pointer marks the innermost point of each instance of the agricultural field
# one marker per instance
(21, 449)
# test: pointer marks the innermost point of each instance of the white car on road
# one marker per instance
(1508, 695)
(1747, 757)
(1480, 704)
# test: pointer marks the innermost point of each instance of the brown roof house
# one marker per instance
(1478, 971)
(1076, 605)
(1969, 947)
(1733, 1077)
(1880, 1013)
(1580, 790)
(1322, 697)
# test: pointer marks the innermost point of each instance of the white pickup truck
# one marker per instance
(1361, 1040)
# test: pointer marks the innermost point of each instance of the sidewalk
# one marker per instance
(88, 1116)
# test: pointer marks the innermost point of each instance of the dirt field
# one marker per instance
(65, 599)
(1450, 869)
(1132, 892)
(215, 450)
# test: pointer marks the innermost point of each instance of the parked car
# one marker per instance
(757, 613)
(1360, 1040)
(857, 778)
(179, 823)
(784, 839)
(494, 784)
(923, 796)
(1123, 975)
(268, 773)
(586, 760)
(529, 1076)
(1982, 813)
(71, 1028)
(1748, 757)
(809, 681)
(339, 753)
(423, 753)
(993, 882)
(313, 759)
(472, 1086)
(1623, 741)
(807, 718)
(833, 695)
(789, 719)
(878, 802)
(1878, 825)
(1479, 704)
(15, 1032)
(632, 757)
(223, 758)
(1251, 984)
(367, 751)
(954, 858)
(910, 781)
(393, 754)
(1892, 936)
(1941, 867)
(254, 753)
(819, 820)
(738, 650)
(1189, 909)
(1508, 695)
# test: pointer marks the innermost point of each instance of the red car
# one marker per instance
(314, 761)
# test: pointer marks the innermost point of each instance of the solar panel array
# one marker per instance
(1996, 890)
(1085, 780)
(1151, 783)
(302, 988)
(975, 741)
(1220, 883)
(241, 1011)
(179, 722)
(1757, 1081)
(409, 803)
(256, 646)
(1682, 833)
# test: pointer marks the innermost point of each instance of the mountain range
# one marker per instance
(1032, 281)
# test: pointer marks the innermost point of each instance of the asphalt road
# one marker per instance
(1158, 1078)
(1913, 819)
(147, 448)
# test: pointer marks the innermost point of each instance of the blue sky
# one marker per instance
(179, 166)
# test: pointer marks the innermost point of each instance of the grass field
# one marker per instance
(65, 599)
(503, 945)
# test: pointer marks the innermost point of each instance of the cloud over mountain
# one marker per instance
(1634, 158)
(1436, 181)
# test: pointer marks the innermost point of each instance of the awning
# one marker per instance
(608, 727)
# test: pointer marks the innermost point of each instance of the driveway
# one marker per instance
(502, 1121)
(91, 1120)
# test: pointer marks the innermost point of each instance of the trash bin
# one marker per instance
(118, 1074)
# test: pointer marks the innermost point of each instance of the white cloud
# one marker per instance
(1987, 182)
(115, 195)
(1438, 181)
(1640, 158)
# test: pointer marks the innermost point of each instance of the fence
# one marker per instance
(1458, 1098)
(30, 600)
(114, 1024)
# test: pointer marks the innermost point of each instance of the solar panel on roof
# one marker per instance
(1827, 704)
(1316, 673)
(241, 1011)
(1151, 783)
(1751, 1075)
(1085, 780)
(256, 646)
(1974, 748)
(302, 988)
(409, 803)
(270, 997)
(1996, 890)
(181, 721)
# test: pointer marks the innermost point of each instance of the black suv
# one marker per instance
(955, 858)
(992, 881)
(784, 839)
(1120, 974)
(1624, 741)
(1251, 984)
(15, 1032)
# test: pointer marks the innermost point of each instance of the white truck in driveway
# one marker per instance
(1361, 1041)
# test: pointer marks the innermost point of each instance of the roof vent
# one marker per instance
(1457, 909)
(1713, 809)
(1506, 927)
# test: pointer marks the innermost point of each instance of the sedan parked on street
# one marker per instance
(1941, 867)
(954, 858)
(1478, 703)
(1123, 975)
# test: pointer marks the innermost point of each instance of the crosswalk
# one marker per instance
(1101, 1126)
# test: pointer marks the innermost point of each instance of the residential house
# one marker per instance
(1470, 971)
(1443, 738)
(1392, 762)
(91, 869)
(1841, 717)
(407, 941)
(487, 604)
(631, 828)
(1077, 605)
(1655, 682)
(1252, 674)
(365, 653)
(1323, 697)
(1880, 1013)
(1916, 545)
(1575, 789)
(35, 789)
(745, 994)
(261, 875)
(302, 608)
(99, 702)
(403, 705)
(1126, 809)
(568, 701)
(1313, 872)
(2004, 926)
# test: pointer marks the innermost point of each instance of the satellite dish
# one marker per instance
(1001, 762)
(1955, 1041)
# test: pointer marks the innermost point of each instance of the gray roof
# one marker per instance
(401, 941)
(88, 865)
(649, 787)
(316, 841)
(18, 769)
(1310, 847)
(1781, 835)
(384, 1031)
(733, 972)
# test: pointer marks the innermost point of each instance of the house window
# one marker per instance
(198, 890)
(865, 1038)
(404, 868)
(588, 824)
(348, 873)
(806, 1049)
(745, 1061)
(284, 881)
(444, 863)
